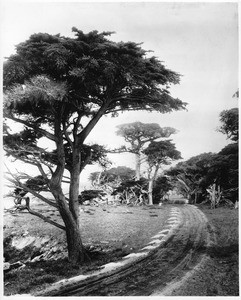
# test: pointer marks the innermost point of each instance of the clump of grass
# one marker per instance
(23, 280)
(223, 251)
(40, 280)
(36, 274)
(99, 258)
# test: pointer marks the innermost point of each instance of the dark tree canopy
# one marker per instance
(52, 76)
(196, 174)
(90, 195)
(91, 69)
(162, 152)
(188, 176)
(225, 171)
(132, 191)
(230, 123)
(161, 186)
(121, 173)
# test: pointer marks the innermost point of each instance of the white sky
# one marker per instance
(197, 40)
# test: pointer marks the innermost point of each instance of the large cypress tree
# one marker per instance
(59, 87)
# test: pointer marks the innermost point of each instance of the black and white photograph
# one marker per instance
(120, 147)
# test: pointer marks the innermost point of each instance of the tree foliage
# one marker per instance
(132, 192)
(193, 177)
(224, 171)
(88, 195)
(230, 123)
(188, 176)
(161, 186)
(137, 134)
(88, 69)
(161, 153)
(119, 173)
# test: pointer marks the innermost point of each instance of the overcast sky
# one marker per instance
(197, 40)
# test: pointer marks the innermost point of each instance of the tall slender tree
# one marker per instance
(138, 134)
(159, 154)
(59, 87)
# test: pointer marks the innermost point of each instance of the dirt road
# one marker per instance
(164, 270)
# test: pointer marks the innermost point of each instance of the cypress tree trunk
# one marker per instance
(76, 251)
(138, 166)
(152, 179)
(150, 190)
(74, 185)
(68, 211)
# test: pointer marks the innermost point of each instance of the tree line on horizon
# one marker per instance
(207, 177)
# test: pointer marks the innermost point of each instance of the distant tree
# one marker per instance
(224, 172)
(59, 87)
(230, 121)
(188, 176)
(138, 134)
(161, 186)
(109, 179)
(159, 154)
(226, 163)
(132, 192)
(230, 126)
(208, 175)
(89, 195)
(236, 94)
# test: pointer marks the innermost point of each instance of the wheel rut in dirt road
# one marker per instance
(162, 268)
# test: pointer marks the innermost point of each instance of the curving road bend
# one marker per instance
(164, 269)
